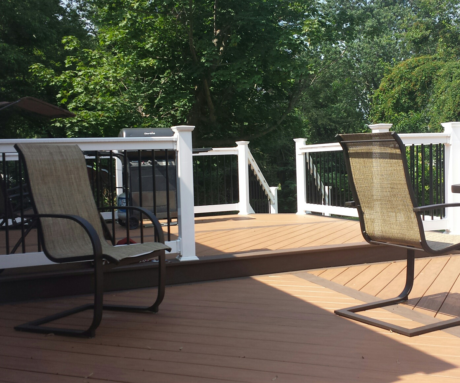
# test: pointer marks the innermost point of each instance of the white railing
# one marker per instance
(450, 138)
(181, 142)
(245, 158)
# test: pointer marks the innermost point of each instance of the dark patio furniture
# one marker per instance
(388, 214)
(71, 230)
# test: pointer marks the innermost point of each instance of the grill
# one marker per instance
(151, 180)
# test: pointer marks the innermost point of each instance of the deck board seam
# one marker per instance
(431, 284)
(375, 276)
(367, 298)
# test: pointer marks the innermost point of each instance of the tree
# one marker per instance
(31, 32)
(365, 41)
(419, 93)
(235, 69)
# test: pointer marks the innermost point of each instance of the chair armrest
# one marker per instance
(455, 188)
(92, 234)
(350, 204)
(149, 214)
(438, 206)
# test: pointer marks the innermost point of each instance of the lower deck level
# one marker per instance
(267, 328)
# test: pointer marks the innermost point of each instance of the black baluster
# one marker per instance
(5, 203)
(168, 214)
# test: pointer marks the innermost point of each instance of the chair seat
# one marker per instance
(119, 253)
(438, 241)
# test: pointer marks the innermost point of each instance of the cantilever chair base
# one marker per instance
(36, 325)
(351, 312)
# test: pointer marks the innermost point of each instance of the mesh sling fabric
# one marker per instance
(59, 184)
(380, 182)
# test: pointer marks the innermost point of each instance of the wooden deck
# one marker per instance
(236, 234)
(227, 246)
(271, 328)
(436, 291)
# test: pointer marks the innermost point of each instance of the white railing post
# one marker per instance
(243, 178)
(274, 204)
(185, 199)
(300, 175)
(452, 174)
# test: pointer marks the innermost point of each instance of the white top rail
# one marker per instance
(106, 143)
(218, 152)
(408, 139)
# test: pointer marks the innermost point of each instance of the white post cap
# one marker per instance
(300, 141)
(182, 128)
(450, 126)
(380, 128)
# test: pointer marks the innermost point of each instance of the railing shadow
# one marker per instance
(254, 328)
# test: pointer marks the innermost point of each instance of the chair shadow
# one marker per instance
(442, 303)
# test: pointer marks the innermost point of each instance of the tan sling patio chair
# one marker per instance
(71, 230)
(388, 214)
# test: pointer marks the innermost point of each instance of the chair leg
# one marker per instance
(160, 294)
(97, 306)
(35, 326)
(351, 312)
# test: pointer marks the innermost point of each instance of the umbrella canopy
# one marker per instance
(36, 106)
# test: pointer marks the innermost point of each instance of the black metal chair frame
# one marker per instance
(100, 267)
(352, 312)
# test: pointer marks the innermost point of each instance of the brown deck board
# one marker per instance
(349, 274)
(322, 235)
(382, 280)
(330, 274)
(426, 278)
(436, 290)
(363, 278)
(451, 305)
(271, 328)
(396, 285)
(435, 295)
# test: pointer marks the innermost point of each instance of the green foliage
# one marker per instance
(419, 94)
(31, 32)
(264, 71)
(365, 42)
(233, 69)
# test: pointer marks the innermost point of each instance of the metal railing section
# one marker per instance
(232, 183)
(434, 164)
(132, 166)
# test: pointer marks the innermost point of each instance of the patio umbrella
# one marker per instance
(36, 106)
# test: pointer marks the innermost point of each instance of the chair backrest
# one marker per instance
(59, 184)
(378, 176)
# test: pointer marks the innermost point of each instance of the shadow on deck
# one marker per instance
(273, 328)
